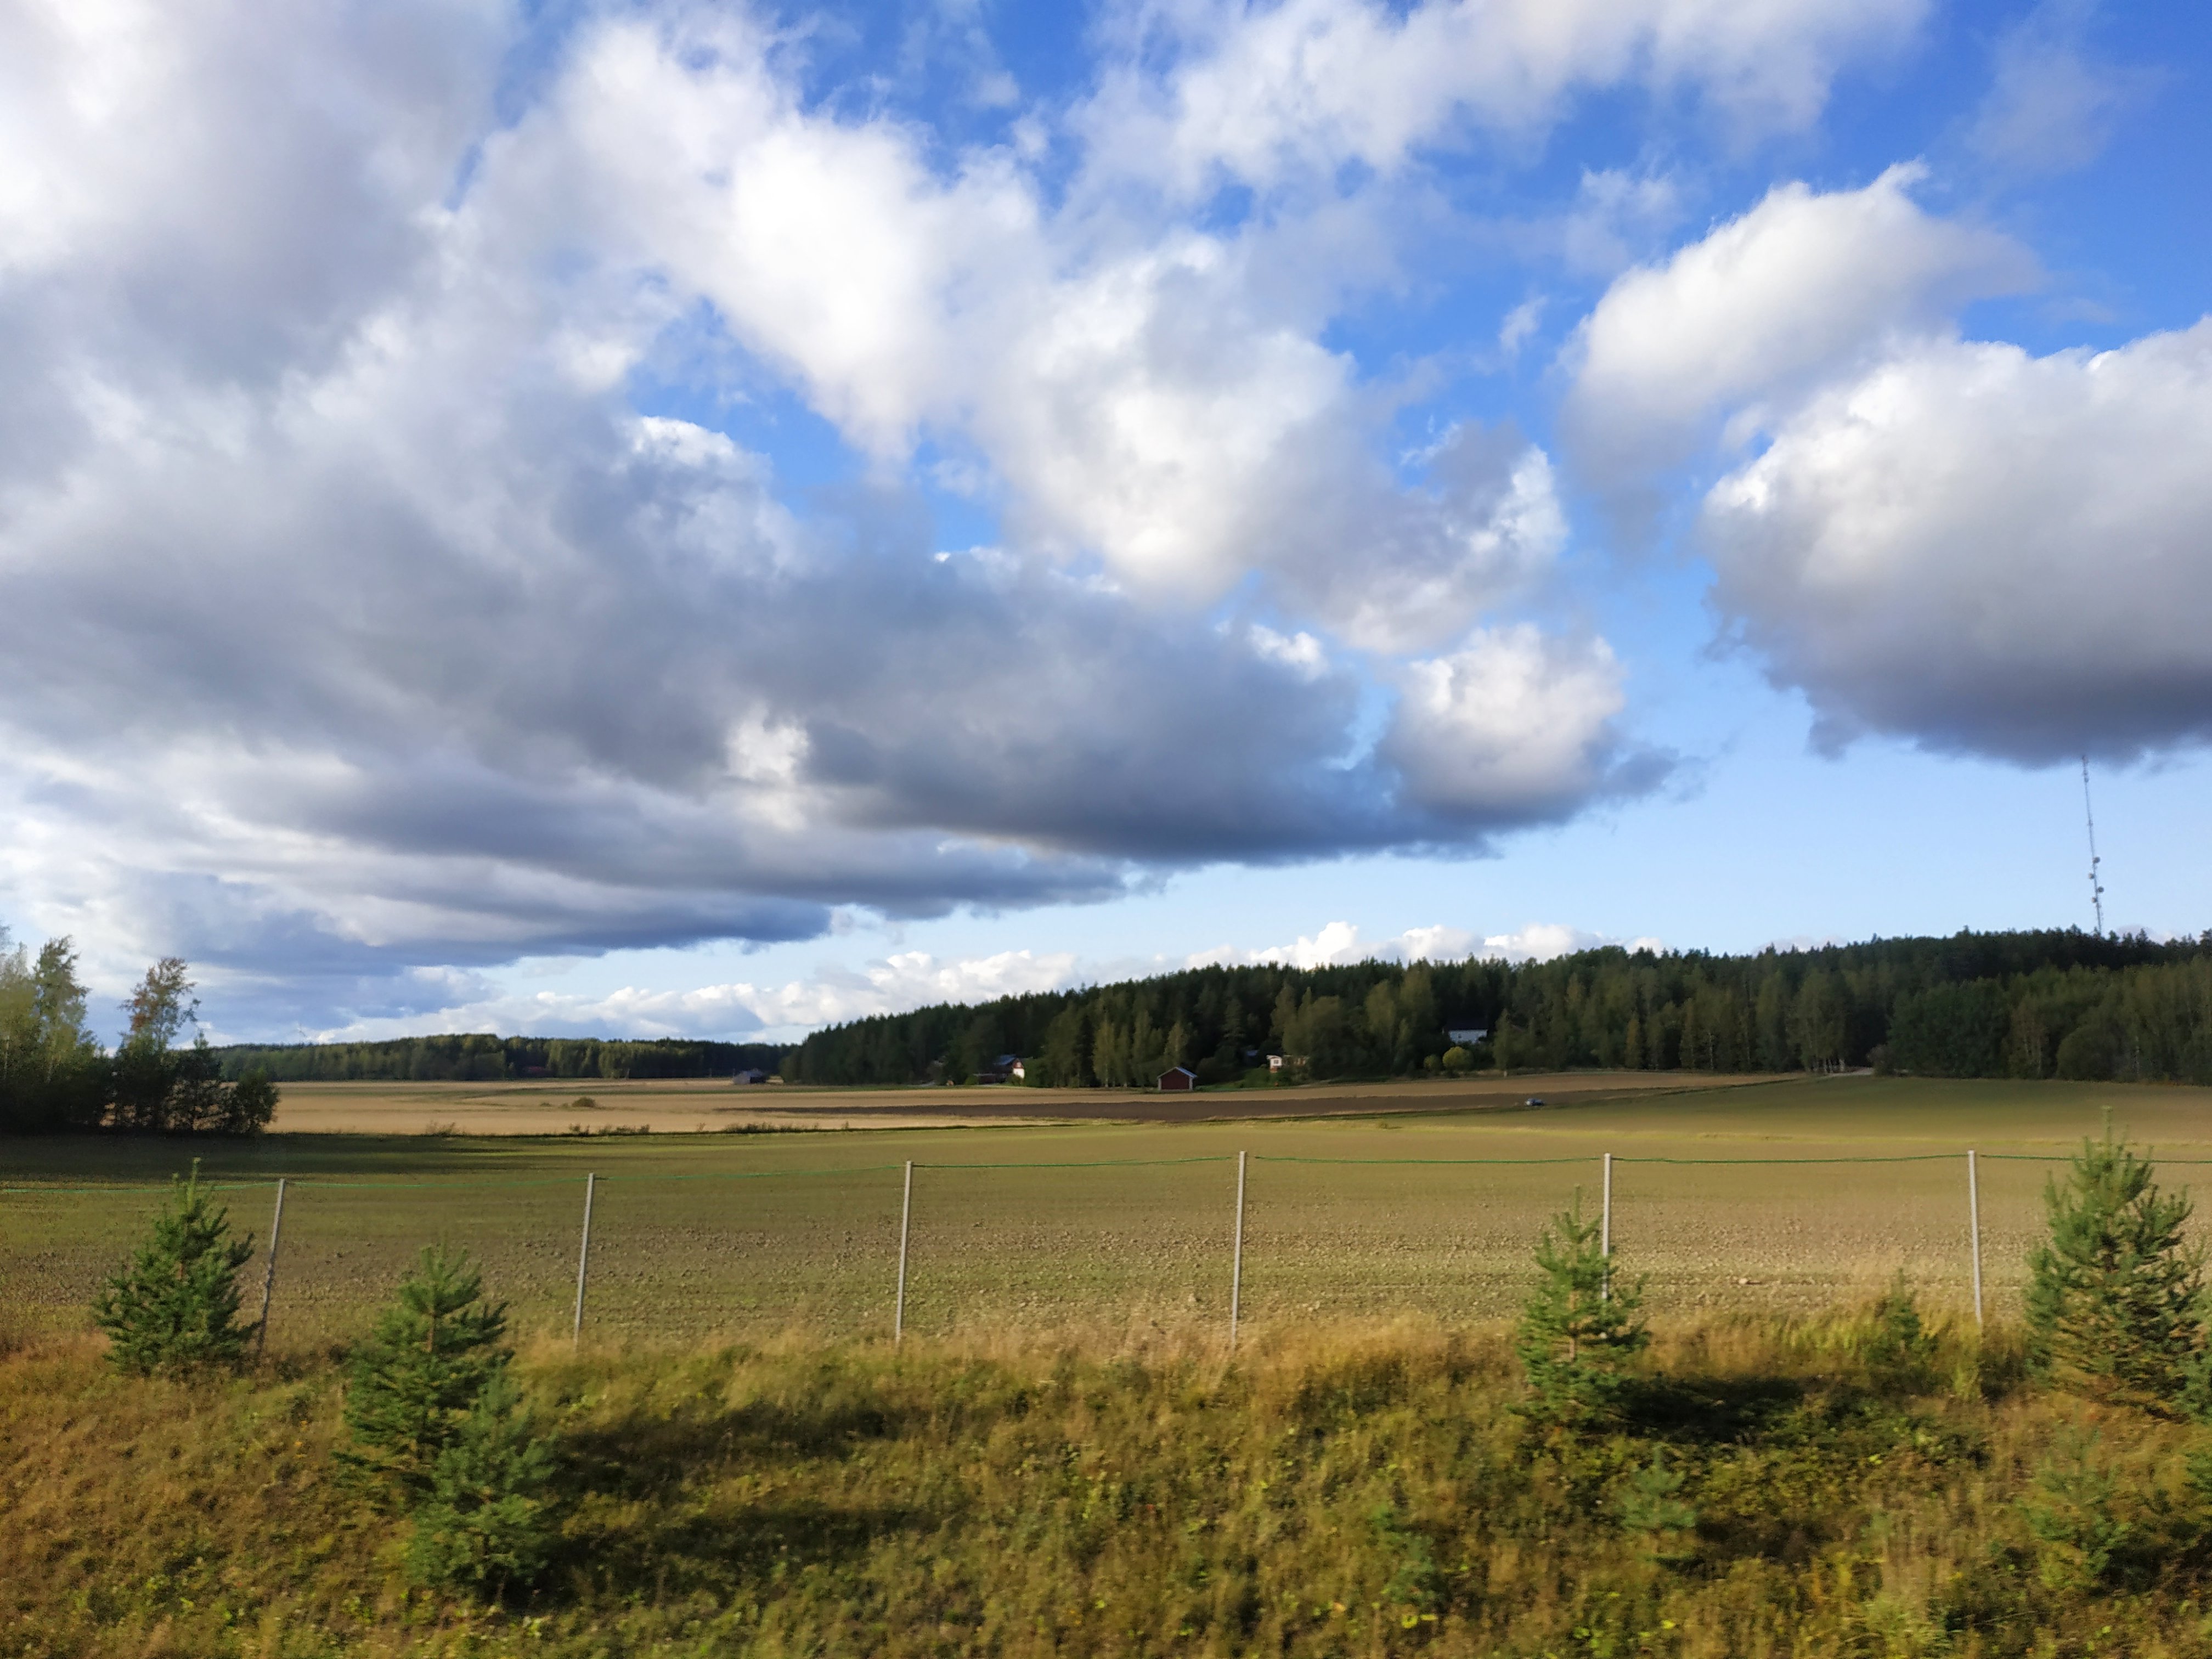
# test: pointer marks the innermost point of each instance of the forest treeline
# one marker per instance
(55, 1073)
(2027, 1004)
(483, 1058)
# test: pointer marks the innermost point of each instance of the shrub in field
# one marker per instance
(1579, 1329)
(248, 1104)
(417, 1380)
(2115, 1294)
(175, 1305)
(486, 1522)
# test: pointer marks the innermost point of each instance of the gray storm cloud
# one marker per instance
(356, 620)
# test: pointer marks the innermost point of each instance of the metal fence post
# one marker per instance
(269, 1278)
(1237, 1258)
(1605, 1231)
(1974, 1228)
(906, 1220)
(583, 1263)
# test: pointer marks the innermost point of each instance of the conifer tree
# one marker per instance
(176, 1303)
(1578, 1329)
(2115, 1294)
(486, 1519)
(415, 1380)
(1650, 1502)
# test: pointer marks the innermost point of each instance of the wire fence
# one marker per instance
(932, 1248)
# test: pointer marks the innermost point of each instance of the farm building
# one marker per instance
(1178, 1077)
(751, 1076)
(1467, 1036)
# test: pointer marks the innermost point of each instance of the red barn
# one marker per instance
(1178, 1077)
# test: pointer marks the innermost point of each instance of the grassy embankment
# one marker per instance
(1365, 1493)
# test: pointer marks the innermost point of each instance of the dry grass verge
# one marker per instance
(1135, 1490)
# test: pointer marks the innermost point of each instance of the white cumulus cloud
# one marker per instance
(1759, 310)
(1267, 94)
(1986, 550)
(1514, 715)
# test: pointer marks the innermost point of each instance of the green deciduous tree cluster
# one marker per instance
(54, 1074)
(2030, 1004)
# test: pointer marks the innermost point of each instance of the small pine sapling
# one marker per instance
(1415, 1583)
(2073, 1517)
(1578, 1329)
(175, 1305)
(1900, 1349)
(1649, 1502)
(486, 1524)
(419, 1376)
(2115, 1297)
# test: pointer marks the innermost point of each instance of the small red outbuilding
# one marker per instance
(1178, 1077)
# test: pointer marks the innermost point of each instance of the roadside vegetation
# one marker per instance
(1873, 1481)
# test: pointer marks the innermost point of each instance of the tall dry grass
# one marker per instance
(1132, 1489)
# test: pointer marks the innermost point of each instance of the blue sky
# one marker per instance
(702, 519)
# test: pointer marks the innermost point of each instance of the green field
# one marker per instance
(1114, 1226)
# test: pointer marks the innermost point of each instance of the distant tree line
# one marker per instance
(483, 1058)
(55, 1075)
(2028, 1004)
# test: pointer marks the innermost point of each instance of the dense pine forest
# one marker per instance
(2027, 1004)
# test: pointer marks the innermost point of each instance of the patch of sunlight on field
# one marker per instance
(1112, 1223)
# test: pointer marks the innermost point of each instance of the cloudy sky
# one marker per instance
(711, 518)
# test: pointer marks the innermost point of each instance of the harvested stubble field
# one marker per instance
(1119, 1226)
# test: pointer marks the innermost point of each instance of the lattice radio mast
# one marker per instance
(2096, 886)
